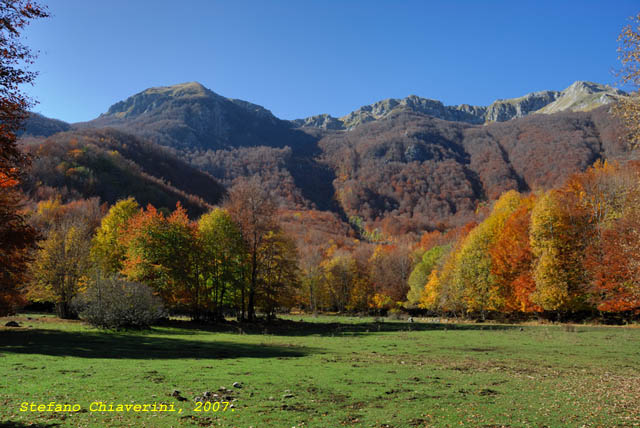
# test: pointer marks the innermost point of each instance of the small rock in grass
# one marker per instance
(12, 324)
(237, 385)
(288, 396)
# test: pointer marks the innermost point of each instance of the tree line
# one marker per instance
(559, 253)
(564, 251)
(233, 258)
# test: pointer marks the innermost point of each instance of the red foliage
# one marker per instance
(512, 262)
(614, 263)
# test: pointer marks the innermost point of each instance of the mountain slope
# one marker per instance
(38, 125)
(114, 165)
(189, 116)
(412, 172)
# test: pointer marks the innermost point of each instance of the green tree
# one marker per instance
(420, 274)
(224, 258)
(164, 253)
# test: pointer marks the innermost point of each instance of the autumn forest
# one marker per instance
(406, 213)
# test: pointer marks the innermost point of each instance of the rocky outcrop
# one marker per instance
(322, 121)
(503, 110)
(583, 96)
(580, 96)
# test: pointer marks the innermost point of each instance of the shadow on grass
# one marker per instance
(129, 346)
(282, 327)
(11, 424)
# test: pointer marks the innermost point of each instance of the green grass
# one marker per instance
(339, 371)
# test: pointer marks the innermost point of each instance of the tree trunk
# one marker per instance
(251, 314)
(64, 311)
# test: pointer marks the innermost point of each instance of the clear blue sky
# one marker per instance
(303, 57)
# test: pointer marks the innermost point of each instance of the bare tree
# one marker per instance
(254, 209)
(628, 108)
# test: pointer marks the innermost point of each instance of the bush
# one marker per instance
(115, 303)
(397, 314)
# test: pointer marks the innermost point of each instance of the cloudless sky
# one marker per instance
(304, 57)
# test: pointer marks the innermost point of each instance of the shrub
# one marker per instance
(115, 303)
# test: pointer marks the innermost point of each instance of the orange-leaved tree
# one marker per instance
(16, 236)
(512, 261)
(163, 252)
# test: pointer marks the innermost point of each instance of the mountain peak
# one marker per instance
(180, 90)
(153, 97)
(583, 96)
(591, 87)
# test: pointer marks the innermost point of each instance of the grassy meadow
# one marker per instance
(324, 372)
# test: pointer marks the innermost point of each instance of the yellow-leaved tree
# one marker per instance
(560, 232)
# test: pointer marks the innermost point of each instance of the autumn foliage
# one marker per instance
(565, 251)
(16, 236)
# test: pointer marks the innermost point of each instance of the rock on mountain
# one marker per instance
(414, 104)
(503, 110)
(580, 96)
(583, 96)
(322, 121)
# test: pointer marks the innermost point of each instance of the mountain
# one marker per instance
(191, 117)
(580, 96)
(114, 165)
(583, 96)
(38, 125)
(401, 165)
(226, 138)
(411, 171)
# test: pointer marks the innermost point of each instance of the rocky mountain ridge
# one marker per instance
(580, 96)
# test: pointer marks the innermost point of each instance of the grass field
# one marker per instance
(324, 372)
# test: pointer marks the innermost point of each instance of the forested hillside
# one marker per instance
(412, 172)
(113, 165)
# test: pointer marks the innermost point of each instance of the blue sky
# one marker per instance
(303, 57)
